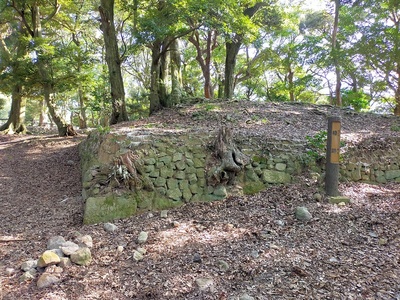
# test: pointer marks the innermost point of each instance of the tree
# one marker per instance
(380, 43)
(13, 58)
(247, 19)
(113, 59)
(335, 53)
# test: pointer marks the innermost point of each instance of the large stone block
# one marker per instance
(272, 176)
(104, 209)
(392, 174)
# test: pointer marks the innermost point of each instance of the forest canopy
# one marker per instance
(91, 63)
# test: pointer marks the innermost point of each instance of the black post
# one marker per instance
(332, 157)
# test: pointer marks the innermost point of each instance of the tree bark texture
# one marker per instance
(176, 73)
(232, 50)
(16, 119)
(335, 54)
(155, 103)
(205, 61)
(119, 113)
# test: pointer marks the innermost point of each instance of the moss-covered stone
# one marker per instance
(166, 159)
(166, 171)
(198, 162)
(220, 191)
(174, 194)
(180, 175)
(186, 194)
(339, 199)
(272, 176)
(160, 182)
(259, 159)
(180, 165)
(108, 208)
(177, 157)
(253, 187)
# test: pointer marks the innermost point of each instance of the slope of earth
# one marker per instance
(243, 246)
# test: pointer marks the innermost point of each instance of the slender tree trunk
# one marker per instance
(335, 54)
(232, 50)
(42, 114)
(176, 73)
(205, 61)
(155, 103)
(291, 85)
(119, 113)
(397, 94)
(82, 110)
(163, 93)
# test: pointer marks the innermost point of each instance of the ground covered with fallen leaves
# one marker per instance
(242, 246)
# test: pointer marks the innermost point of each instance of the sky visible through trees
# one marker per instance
(57, 63)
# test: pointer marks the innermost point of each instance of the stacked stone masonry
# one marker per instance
(176, 168)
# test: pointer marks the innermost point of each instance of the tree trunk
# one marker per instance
(205, 62)
(82, 110)
(155, 103)
(42, 114)
(397, 94)
(163, 93)
(16, 119)
(291, 84)
(119, 113)
(232, 50)
(335, 55)
(176, 73)
(232, 159)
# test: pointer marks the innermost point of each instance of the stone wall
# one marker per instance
(127, 172)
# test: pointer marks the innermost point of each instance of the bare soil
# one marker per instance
(344, 252)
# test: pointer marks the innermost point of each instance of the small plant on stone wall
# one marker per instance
(103, 129)
(317, 145)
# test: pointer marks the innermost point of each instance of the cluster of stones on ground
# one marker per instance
(60, 254)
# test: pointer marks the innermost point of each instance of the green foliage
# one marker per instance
(357, 100)
(395, 127)
(103, 129)
(317, 145)
(3, 102)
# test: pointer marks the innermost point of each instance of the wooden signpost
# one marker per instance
(332, 156)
